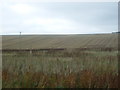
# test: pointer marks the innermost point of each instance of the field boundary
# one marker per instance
(61, 49)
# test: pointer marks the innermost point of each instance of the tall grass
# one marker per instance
(60, 69)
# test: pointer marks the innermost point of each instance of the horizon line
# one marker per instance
(58, 34)
(55, 33)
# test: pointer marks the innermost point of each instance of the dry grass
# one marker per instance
(64, 69)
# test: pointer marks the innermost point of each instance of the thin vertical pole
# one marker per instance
(19, 41)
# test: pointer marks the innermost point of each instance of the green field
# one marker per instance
(69, 68)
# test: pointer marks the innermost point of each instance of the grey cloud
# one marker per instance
(103, 16)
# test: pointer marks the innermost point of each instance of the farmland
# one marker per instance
(84, 61)
(59, 41)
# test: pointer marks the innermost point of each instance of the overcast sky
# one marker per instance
(59, 18)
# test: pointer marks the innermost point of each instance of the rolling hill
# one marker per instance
(59, 41)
